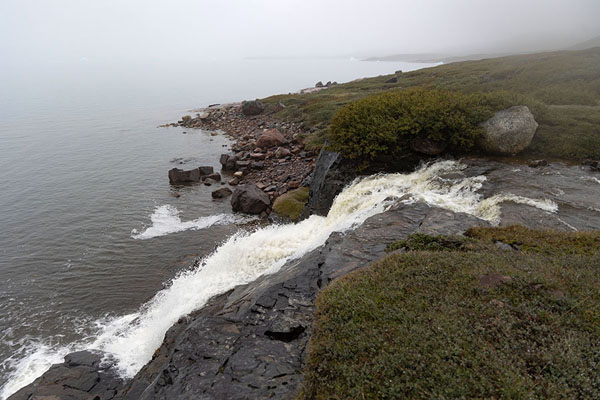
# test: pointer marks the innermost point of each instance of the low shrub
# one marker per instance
(384, 124)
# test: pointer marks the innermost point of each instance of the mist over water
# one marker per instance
(84, 172)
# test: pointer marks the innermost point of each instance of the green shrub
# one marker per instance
(385, 123)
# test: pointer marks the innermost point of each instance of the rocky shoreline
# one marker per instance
(266, 152)
(251, 342)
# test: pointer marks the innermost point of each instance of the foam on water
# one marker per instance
(133, 338)
(165, 220)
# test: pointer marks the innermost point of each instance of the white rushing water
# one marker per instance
(245, 256)
(165, 220)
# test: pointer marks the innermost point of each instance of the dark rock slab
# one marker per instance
(179, 176)
(82, 376)
(251, 343)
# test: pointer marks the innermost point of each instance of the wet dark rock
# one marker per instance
(82, 376)
(329, 177)
(249, 199)
(179, 176)
(428, 146)
(593, 164)
(228, 162)
(252, 107)
(209, 182)
(537, 163)
(221, 193)
(206, 170)
(215, 177)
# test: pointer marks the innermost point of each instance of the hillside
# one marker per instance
(588, 44)
(562, 89)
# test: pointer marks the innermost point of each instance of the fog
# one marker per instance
(67, 31)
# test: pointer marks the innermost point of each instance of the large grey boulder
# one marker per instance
(249, 199)
(509, 131)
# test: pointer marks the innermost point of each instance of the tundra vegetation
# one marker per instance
(562, 89)
(464, 317)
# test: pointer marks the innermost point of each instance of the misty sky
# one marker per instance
(64, 31)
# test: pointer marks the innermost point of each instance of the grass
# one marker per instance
(562, 89)
(291, 203)
(419, 325)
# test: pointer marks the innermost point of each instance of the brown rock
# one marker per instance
(221, 193)
(270, 138)
(493, 280)
(282, 152)
(427, 146)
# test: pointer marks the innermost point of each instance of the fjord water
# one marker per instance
(89, 229)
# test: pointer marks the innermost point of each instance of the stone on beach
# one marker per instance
(249, 199)
(270, 138)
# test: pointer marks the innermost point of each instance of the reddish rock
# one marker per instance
(282, 152)
(270, 138)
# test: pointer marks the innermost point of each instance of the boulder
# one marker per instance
(206, 170)
(282, 152)
(228, 161)
(509, 131)
(392, 80)
(252, 107)
(179, 176)
(427, 146)
(215, 177)
(270, 138)
(221, 193)
(319, 84)
(249, 199)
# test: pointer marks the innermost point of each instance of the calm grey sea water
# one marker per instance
(83, 164)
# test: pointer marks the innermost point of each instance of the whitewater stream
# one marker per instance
(131, 339)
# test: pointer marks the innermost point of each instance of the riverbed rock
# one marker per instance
(270, 138)
(249, 199)
(252, 107)
(221, 193)
(179, 176)
(509, 131)
(427, 146)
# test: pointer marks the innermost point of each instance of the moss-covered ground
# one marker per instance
(491, 323)
(561, 88)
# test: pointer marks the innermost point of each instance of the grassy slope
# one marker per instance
(419, 324)
(562, 88)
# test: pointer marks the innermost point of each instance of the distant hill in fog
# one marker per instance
(588, 44)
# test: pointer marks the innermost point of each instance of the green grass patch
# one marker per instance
(424, 242)
(419, 324)
(291, 203)
(544, 82)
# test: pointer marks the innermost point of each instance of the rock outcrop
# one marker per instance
(252, 107)
(509, 131)
(251, 343)
(249, 199)
(328, 179)
(82, 376)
